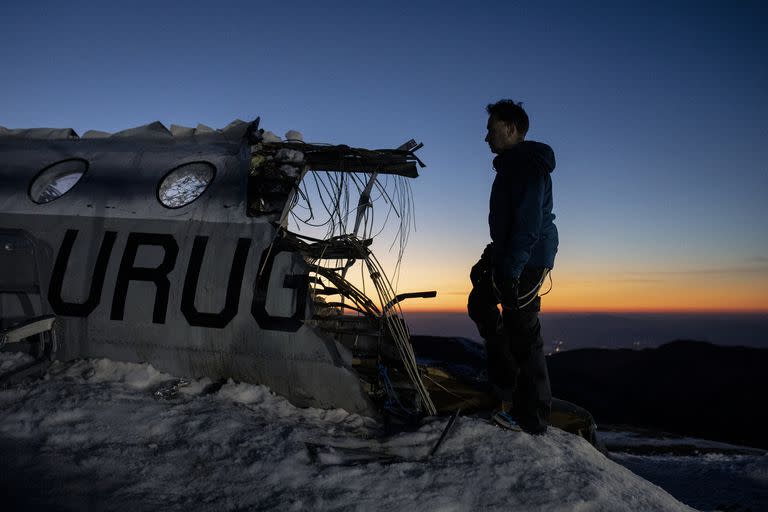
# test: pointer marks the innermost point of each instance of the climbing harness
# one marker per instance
(533, 293)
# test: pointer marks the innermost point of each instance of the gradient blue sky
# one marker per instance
(657, 112)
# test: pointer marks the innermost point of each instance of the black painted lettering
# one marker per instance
(231, 303)
(128, 272)
(298, 282)
(59, 306)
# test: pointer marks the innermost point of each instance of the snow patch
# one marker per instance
(268, 136)
(289, 156)
(137, 376)
(294, 136)
(289, 170)
(12, 360)
(244, 393)
(108, 443)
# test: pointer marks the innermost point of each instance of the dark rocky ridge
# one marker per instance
(686, 387)
(690, 388)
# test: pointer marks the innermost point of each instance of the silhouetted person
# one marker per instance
(513, 268)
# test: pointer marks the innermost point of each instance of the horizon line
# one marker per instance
(614, 311)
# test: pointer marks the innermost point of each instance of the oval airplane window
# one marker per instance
(185, 183)
(56, 180)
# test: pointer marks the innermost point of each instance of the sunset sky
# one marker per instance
(657, 112)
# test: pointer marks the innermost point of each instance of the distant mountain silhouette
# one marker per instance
(686, 387)
(606, 330)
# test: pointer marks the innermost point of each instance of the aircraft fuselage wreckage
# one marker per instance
(220, 253)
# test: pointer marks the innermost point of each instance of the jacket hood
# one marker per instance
(527, 155)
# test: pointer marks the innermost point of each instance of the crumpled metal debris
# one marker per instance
(170, 390)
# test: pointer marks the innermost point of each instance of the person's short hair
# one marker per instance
(511, 113)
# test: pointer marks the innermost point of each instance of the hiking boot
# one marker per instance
(505, 420)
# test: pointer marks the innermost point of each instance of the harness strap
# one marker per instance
(533, 293)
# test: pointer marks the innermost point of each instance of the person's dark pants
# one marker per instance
(517, 369)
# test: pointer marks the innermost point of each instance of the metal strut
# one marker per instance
(48, 345)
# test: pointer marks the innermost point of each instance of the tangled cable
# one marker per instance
(318, 219)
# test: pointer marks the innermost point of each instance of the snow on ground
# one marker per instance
(91, 435)
(713, 481)
(644, 441)
(709, 475)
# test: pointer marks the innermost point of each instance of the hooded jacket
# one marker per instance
(520, 217)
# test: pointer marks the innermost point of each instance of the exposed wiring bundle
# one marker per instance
(328, 195)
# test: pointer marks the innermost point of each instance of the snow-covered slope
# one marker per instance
(709, 475)
(92, 434)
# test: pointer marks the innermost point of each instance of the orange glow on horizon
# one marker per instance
(545, 309)
(613, 294)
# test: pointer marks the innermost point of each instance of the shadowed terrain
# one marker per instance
(685, 387)
(690, 388)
